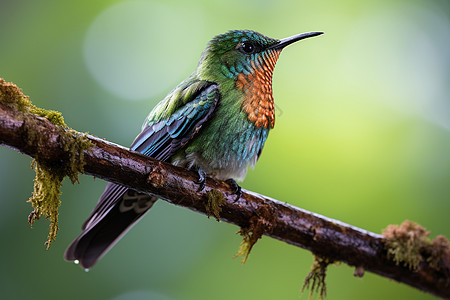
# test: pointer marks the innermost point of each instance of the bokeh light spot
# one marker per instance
(125, 44)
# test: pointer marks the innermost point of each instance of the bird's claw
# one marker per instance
(201, 180)
(237, 190)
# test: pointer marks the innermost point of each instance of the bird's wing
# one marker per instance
(162, 136)
(169, 127)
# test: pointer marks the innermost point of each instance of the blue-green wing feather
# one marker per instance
(163, 138)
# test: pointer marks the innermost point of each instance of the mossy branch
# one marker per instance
(50, 171)
(424, 265)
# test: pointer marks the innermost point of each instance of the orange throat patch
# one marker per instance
(257, 87)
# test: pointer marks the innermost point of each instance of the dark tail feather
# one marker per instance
(100, 236)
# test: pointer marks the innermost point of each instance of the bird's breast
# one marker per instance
(225, 148)
(256, 86)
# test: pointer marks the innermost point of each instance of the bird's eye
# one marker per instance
(247, 47)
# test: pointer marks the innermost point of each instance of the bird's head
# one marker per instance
(243, 51)
(243, 60)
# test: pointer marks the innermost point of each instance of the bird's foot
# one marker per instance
(237, 190)
(201, 179)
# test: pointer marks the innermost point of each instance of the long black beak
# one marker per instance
(287, 41)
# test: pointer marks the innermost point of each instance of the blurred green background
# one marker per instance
(362, 135)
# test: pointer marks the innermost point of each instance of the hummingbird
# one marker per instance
(215, 122)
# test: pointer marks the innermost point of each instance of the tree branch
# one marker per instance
(325, 237)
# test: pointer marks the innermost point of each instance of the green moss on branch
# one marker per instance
(215, 200)
(262, 222)
(315, 281)
(408, 244)
(49, 175)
